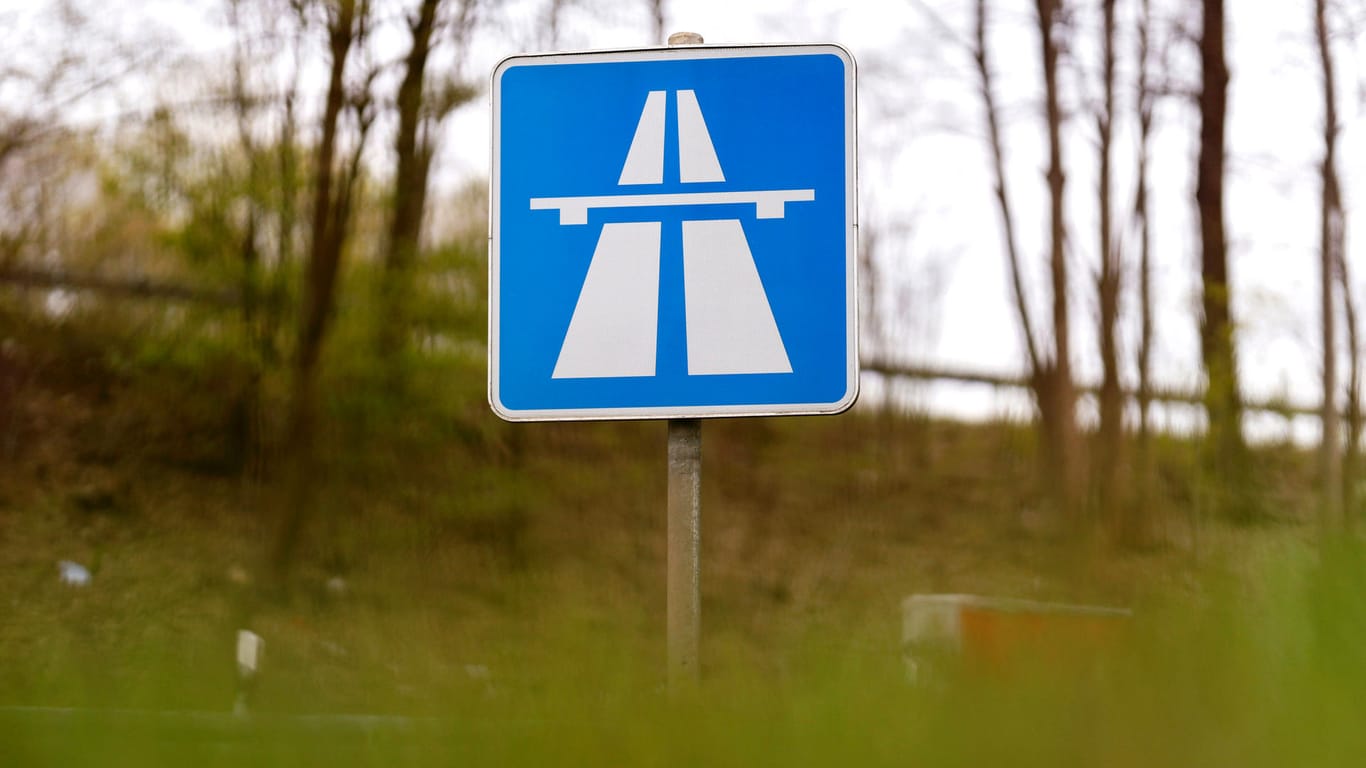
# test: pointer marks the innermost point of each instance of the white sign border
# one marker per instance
(689, 52)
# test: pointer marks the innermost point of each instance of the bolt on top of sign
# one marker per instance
(672, 234)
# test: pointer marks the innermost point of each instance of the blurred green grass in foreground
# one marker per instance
(1267, 672)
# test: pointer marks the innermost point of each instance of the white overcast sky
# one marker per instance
(924, 185)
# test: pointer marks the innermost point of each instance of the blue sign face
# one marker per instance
(672, 234)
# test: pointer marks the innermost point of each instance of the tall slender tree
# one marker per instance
(1351, 456)
(1003, 200)
(1050, 372)
(1331, 237)
(1145, 96)
(1226, 459)
(334, 183)
(1057, 390)
(423, 103)
(1108, 286)
(658, 18)
(412, 165)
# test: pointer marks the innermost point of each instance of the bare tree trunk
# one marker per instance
(1108, 289)
(552, 22)
(1226, 461)
(410, 190)
(873, 335)
(1058, 406)
(1050, 377)
(331, 214)
(1002, 196)
(422, 106)
(1351, 457)
(657, 16)
(1145, 334)
(1330, 234)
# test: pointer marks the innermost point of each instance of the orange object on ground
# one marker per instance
(994, 634)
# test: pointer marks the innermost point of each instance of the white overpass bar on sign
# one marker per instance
(768, 204)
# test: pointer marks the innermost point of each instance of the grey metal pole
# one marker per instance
(685, 529)
(685, 539)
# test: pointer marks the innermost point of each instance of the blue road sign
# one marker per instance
(672, 234)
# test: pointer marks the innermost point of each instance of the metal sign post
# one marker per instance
(685, 529)
(685, 541)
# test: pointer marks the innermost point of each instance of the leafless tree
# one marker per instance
(1050, 372)
(997, 146)
(1332, 226)
(1351, 457)
(1057, 402)
(550, 25)
(1146, 98)
(659, 18)
(1226, 462)
(1108, 290)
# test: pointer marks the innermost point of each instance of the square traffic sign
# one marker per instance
(672, 234)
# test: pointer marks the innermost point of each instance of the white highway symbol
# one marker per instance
(729, 325)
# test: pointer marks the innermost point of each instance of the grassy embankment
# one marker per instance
(505, 586)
